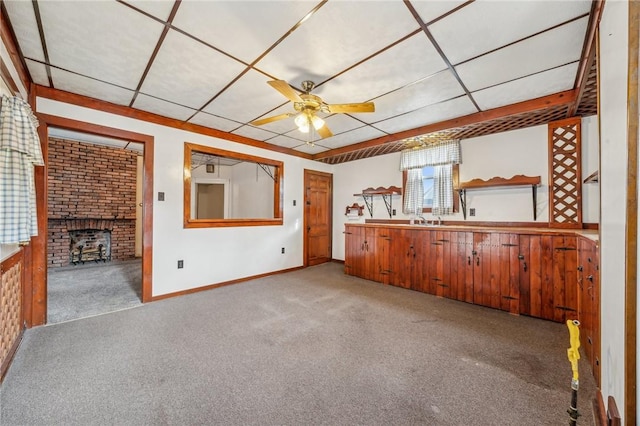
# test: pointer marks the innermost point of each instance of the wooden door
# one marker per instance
(403, 257)
(317, 217)
(441, 241)
(353, 240)
(509, 273)
(382, 255)
(419, 267)
(565, 288)
(370, 267)
(481, 268)
(536, 276)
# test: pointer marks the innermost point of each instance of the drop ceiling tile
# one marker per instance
(360, 134)
(437, 88)
(486, 25)
(159, 9)
(208, 120)
(81, 85)
(337, 36)
(431, 114)
(340, 123)
(285, 141)
(38, 72)
(430, 10)
(280, 126)
(255, 25)
(161, 107)
(187, 72)
(25, 27)
(247, 98)
(535, 86)
(547, 50)
(104, 40)
(393, 68)
(311, 149)
(254, 133)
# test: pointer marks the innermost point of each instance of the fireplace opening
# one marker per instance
(90, 245)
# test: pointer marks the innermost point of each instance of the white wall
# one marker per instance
(523, 151)
(613, 185)
(210, 255)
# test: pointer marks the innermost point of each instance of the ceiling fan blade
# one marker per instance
(324, 132)
(262, 121)
(284, 88)
(349, 108)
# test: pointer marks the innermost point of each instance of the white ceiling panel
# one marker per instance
(109, 41)
(159, 9)
(437, 88)
(285, 141)
(81, 85)
(527, 57)
(431, 114)
(23, 20)
(351, 137)
(208, 120)
(280, 126)
(248, 98)
(38, 72)
(254, 133)
(340, 123)
(430, 10)
(547, 50)
(312, 149)
(486, 25)
(535, 86)
(161, 107)
(337, 36)
(254, 25)
(188, 72)
(391, 69)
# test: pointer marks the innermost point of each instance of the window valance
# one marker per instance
(447, 152)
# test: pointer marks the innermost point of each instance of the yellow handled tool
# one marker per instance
(573, 354)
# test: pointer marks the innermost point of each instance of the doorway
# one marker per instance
(317, 217)
(94, 200)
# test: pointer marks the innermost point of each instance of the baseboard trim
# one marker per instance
(222, 284)
(599, 411)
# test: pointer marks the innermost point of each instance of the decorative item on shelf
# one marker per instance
(517, 180)
(386, 193)
(592, 178)
(354, 211)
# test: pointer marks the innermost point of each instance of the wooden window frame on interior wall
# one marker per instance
(278, 189)
(455, 175)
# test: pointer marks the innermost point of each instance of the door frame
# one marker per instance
(308, 172)
(38, 300)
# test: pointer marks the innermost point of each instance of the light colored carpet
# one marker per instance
(312, 346)
(92, 289)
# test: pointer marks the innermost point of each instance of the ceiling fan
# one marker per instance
(307, 106)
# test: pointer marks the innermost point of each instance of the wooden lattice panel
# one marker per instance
(10, 307)
(589, 101)
(565, 182)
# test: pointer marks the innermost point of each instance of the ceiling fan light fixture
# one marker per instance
(317, 122)
(302, 121)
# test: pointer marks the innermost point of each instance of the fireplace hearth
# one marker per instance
(90, 245)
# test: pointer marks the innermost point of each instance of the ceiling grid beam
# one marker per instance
(43, 41)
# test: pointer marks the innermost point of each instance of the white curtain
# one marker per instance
(442, 156)
(19, 152)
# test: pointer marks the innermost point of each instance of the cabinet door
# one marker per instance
(402, 258)
(420, 265)
(369, 264)
(509, 278)
(441, 241)
(481, 268)
(354, 247)
(382, 255)
(461, 273)
(565, 287)
(589, 303)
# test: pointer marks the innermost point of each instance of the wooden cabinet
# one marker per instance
(367, 253)
(589, 303)
(531, 274)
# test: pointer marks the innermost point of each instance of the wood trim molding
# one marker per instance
(222, 284)
(516, 180)
(631, 231)
(83, 101)
(9, 41)
(561, 98)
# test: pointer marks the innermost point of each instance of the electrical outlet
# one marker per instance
(294, 203)
(282, 251)
(393, 212)
(180, 264)
(160, 196)
(472, 212)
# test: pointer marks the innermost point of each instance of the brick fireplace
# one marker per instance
(92, 203)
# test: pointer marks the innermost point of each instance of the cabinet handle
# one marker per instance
(580, 268)
(478, 261)
(524, 267)
(590, 278)
(468, 260)
(362, 247)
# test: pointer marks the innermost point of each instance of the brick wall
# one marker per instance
(90, 182)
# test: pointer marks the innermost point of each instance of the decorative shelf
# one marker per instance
(592, 178)
(517, 180)
(386, 193)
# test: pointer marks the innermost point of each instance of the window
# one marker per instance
(428, 189)
(225, 188)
